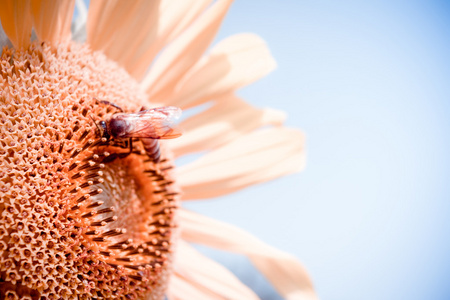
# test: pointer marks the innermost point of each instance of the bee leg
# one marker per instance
(110, 158)
(123, 155)
(131, 146)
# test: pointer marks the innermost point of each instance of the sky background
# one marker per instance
(369, 84)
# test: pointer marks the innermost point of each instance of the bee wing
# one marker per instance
(155, 123)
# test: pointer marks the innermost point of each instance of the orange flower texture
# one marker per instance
(90, 195)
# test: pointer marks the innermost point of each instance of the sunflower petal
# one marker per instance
(184, 51)
(155, 23)
(108, 20)
(52, 19)
(285, 272)
(175, 17)
(15, 16)
(233, 63)
(229, 118)
(181, 288)
(198, 268)
(255, 157)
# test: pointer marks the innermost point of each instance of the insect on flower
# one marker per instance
(148, 125)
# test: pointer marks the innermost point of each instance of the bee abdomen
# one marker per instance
(151, 147)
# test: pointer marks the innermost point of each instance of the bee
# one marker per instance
(148, 125)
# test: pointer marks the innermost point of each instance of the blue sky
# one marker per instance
(368, 83)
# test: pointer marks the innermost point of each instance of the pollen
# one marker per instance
(81, 217)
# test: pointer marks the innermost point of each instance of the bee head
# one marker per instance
(103, 129)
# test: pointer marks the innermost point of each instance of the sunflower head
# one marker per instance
(78, 217)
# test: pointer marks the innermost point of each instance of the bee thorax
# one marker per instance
(118, 128)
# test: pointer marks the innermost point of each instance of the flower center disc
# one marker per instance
(80, 218)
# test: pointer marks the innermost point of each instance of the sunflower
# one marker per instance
(87, 216)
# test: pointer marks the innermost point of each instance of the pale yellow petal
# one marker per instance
(173, 18)
(181, 288)
(178, 57)
(118, 27)
(229, 118)
(153, 24)
(209, 274)
(233, 63)
(255, 157)
(108, 21)
(190, 11)
(15, 16)
(283, 270)
(52, 19)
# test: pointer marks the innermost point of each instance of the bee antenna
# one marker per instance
(105, 102)
(96, 125)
